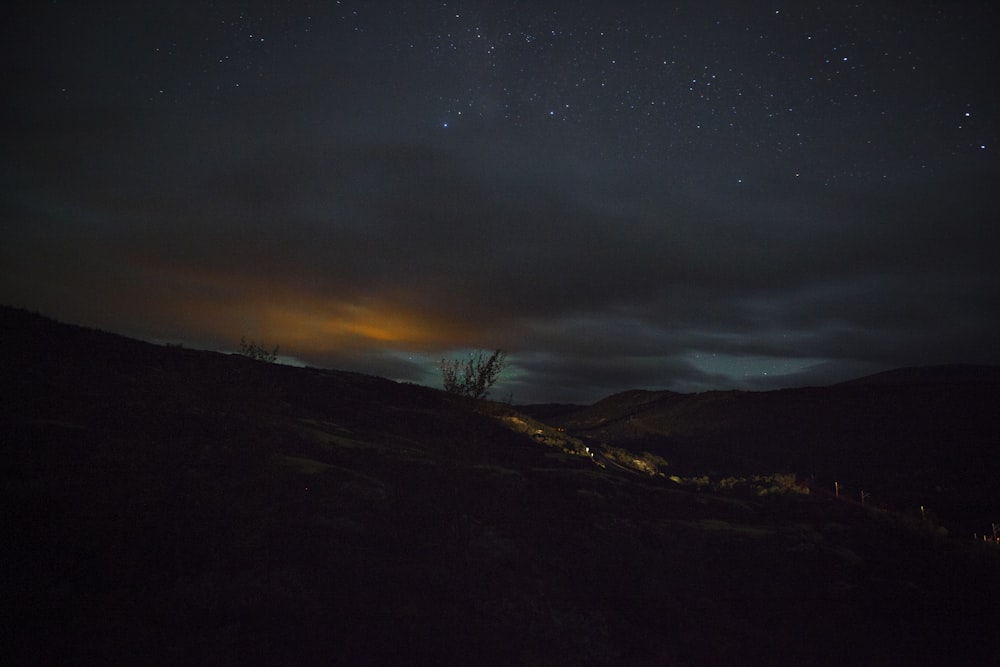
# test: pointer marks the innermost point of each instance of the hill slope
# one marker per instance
(169, 506)
(911, 437)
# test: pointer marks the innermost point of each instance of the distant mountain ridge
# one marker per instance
(941, 374)
(922, 435)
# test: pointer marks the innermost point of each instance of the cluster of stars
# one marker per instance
(803, 92)
(665, 89)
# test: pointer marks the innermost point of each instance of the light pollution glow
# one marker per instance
(220, 308)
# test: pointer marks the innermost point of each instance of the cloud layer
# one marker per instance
(324, 213)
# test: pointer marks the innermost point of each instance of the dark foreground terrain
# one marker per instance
(170, 506)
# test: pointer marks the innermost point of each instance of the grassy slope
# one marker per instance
(935, 442)
(173, 506)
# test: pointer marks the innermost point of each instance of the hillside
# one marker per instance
(173, 506)
(941, 376)
(911, 437)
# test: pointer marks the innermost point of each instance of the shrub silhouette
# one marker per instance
(475, 376)
(257, 352)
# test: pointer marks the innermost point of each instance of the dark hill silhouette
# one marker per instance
(919, 436)
(174, 506)
(937, 375)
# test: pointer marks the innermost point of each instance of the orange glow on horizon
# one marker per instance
(224, 307)
(330, 325)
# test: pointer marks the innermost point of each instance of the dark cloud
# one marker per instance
(684, 204)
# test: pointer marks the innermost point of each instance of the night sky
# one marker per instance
(683, 196)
